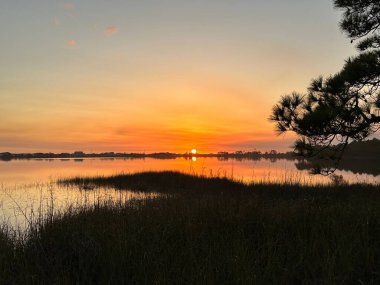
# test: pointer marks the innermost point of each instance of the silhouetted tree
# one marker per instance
(344, 106)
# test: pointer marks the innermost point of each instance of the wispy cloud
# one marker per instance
(56, 21)
(69, 6)
(71, 43)
(111, 30)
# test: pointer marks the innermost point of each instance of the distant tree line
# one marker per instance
(158, 155)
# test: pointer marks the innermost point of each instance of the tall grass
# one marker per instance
(203, 231)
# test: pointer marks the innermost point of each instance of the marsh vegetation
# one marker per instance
(202, 230)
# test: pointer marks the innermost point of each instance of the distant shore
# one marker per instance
(159, 155)
(368, 149)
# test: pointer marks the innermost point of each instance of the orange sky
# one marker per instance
(148, 76)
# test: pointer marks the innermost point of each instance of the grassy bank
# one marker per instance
(204, 231)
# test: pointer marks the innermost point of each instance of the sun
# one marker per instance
(194, 151)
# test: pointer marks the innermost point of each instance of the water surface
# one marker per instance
(16, 172)
(28, 186)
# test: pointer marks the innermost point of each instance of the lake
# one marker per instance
(28, 186)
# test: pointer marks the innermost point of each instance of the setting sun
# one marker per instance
(194, 151)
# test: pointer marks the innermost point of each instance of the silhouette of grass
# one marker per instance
(204, 230)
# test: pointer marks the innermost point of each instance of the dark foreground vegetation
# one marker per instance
(203, 231)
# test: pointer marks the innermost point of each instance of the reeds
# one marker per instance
(203, 230)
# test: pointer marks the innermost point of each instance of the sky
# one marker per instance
(158, 75)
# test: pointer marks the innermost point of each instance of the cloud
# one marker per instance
(71, 43)
(69, 6)
(56, 21)
(111, 30)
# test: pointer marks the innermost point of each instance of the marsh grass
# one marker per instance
(203, 231)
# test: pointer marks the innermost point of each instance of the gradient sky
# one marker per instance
(158, 75)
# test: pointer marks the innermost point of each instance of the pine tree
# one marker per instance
(344, 106)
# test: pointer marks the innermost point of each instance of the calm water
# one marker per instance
(27, 186)
(16, 172)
